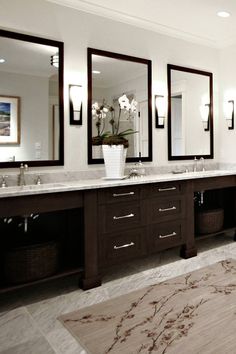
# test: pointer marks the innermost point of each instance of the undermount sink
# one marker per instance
(31, 187)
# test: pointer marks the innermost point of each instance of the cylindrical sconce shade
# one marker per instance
(75, 96)
(160, 111)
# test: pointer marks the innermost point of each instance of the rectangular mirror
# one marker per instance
(110, 76)
(31, 100)
(190, 113)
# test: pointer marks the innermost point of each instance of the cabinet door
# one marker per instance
(118, 247)
(165, 235)
(164, 189)
(165, 209)
(119, 194)
(120, 216)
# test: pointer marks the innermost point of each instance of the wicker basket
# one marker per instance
(28, 263)
(209, 221)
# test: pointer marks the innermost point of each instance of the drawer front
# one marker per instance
(165, 209)
(165, 235)
(119, 194)
(120, 216)
(164, 189)
(118, 247)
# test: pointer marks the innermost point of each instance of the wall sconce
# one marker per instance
(230, 114)
(205, 113)
(75, 97)
(55, 60)
(160, 111)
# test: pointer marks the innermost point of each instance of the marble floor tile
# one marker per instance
(16, 328)
(34, 346)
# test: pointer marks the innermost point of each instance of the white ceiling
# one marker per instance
(193, 20)
(26, 57)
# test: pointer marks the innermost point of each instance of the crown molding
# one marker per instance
(87, 6)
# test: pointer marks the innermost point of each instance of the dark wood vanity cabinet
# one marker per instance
(139, 220)
(117, 224)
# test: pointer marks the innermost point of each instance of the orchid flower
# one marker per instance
(124, 102)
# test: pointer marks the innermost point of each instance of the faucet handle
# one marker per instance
(4, 183)
(24, 167)
(38, 180)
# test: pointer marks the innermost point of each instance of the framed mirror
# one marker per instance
(31, 101)
(110, 76)
(190, 113)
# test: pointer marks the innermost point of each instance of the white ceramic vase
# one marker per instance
(114, 158)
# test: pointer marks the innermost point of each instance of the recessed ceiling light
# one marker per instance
(2, 60)
(223, 14)
(96, 72)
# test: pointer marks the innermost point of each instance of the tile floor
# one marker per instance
(28, 318)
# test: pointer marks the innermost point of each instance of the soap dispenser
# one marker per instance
(141, 168)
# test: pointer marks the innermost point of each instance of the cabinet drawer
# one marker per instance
(118, 247)
(119, 194)
(165, 209)
(164, 189)
(119, 216)
(165, 235)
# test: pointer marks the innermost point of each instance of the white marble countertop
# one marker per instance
(102, 183)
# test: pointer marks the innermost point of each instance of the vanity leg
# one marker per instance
(91, 277)
(234, 235)
(189, 249)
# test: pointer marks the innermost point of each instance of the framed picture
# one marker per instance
(9, 120)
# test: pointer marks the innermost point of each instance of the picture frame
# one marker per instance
(9, 120)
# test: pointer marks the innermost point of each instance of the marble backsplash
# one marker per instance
(62, 176)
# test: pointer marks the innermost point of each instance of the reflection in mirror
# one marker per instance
(111, 76)
(30, 74)
(190, 113)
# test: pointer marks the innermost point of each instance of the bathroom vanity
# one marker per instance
(121, 220)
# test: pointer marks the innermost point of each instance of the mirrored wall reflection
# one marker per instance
(190, 114)
(112, 76)
(30, 103)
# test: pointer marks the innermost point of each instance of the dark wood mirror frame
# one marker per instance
(90, 52)
(60, 45)
(198, 72)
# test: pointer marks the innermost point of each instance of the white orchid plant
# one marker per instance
(113, 137)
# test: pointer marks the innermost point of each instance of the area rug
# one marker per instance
(193, 313)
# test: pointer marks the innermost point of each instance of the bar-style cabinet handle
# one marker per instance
(131, 215)
(167, 209)
(122, 194)
(168, 235)
(124, 246)
(166, 189)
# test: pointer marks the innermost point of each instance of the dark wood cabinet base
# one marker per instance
(117, 224)
(89, 283)
(188, 252)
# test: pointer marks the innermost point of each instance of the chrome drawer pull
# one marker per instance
(123, 216)
(167, 209)
(124, 246)
(166, 189)
(122, 194)
(169, 235)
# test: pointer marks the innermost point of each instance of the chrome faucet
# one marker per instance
(202, 164)
(195, 164)
(4, 183)
(21, 179)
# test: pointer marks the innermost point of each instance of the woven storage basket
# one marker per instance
(209, 221)
(28, 263)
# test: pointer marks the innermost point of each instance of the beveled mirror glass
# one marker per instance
(110, 75)
(31, 100)
(190, 113)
